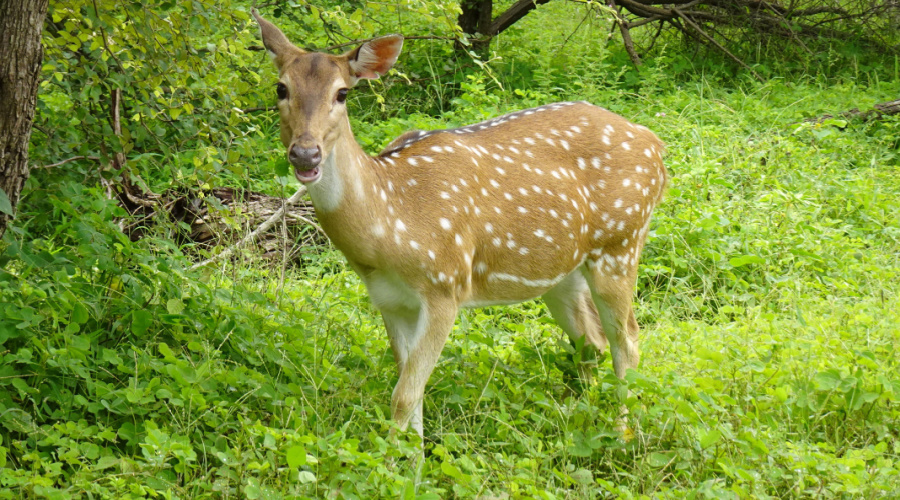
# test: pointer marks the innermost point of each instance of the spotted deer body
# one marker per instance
(551, 202)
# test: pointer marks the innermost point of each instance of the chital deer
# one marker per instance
(553, 202)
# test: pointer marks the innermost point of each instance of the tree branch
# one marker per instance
(713, 41)
(515, 12)
(67, 160)
(626, 34)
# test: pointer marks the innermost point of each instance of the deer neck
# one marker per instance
(342, 197)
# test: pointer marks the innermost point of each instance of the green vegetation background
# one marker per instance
(767, 293)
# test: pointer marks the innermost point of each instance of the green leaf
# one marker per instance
(744, 260)
(710, 438)
(296, 456)
(282, 167)
(140, 321)
(79, 314)
(582, 476)
(166, 351)
(409, 490)
(175, 306)
(106, 462)
(306, 476)
(704, 353)
(451, 470)
(661, 459)
(5, 204)
(835, 122)
(580, 445)
(828, 380)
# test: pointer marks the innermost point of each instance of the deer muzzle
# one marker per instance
(306, 162)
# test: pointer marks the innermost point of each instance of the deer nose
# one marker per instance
(304, 158)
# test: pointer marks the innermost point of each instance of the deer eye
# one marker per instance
(342, 95)
(281, 90)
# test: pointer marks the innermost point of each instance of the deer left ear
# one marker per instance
(375, 57)
(280, 49)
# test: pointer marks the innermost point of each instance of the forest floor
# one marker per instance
(770, 333)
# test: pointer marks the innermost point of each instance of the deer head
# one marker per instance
(312, 90)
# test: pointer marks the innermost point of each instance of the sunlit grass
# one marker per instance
(767, 299)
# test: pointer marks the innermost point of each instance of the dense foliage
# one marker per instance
(767, 293)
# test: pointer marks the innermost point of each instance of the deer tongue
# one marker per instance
(307, 176)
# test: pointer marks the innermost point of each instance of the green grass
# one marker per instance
(767, 299)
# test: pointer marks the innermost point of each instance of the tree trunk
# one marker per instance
(475, 16)
(20, 67)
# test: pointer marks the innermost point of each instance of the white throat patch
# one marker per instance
(328, 192)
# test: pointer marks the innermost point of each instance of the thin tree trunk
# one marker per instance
(21, 23)
(475, 16)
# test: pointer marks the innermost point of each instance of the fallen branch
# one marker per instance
(879, 110)
(265, 226)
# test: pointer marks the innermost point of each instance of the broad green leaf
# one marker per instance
(296, 456)
(582, 476)
(409, 490)
(252, 492)
(451, 470)
(658, 459)
(828, 380)
(5, 204)
(175, 306)
(282, 167)
(140, 321)
(165, 350)
(704, 353)
(106, 462)
(709, 438)
(744, 260)
(79, 314)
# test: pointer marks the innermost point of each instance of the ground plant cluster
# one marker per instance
(767, 294)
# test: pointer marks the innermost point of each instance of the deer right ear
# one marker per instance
(375, 57)
(277, 45)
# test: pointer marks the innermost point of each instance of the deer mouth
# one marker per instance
(308, 176)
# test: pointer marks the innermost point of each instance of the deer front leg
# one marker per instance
(417, 338)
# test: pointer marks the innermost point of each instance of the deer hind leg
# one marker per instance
(612, 288)
(612, 295)
(572, 307)
(417, 338)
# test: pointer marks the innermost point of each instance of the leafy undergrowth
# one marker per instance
(770, 335)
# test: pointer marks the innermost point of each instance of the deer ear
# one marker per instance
(375, 57)
(279, 47)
